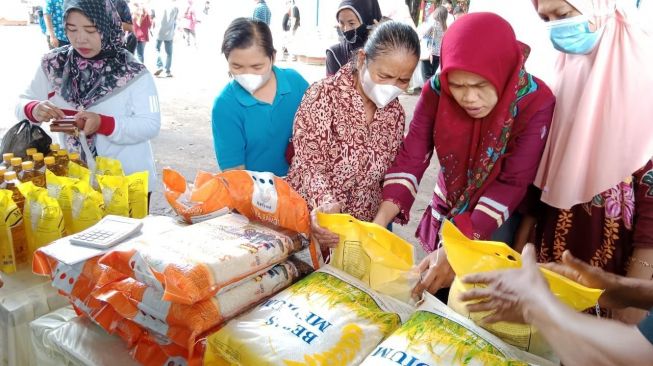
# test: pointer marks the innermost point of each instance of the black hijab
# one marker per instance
(367, 11)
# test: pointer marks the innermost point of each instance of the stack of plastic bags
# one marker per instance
(164, 294)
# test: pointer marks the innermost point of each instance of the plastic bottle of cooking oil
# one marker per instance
(75, 158)
(30, 152)
(6, 160)
(17, 228)
(16, 165)
(53, 149)
(62, 161)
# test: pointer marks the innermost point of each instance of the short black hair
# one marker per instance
(389, 37)
(244, 32)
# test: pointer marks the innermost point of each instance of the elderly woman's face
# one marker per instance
(83, 35)
(475, 94)
(392, 68)
(550, 10)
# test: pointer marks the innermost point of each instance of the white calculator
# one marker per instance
(109, 231)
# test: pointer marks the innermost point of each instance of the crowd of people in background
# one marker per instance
(566, 167)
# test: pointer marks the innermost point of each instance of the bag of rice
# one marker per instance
(181, 323)
(151, 350)
(258, 195)
(436, 335)
(193, 263)
(328, 317)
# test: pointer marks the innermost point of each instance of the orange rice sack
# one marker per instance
(206, 198)
(259, 196)
(183, 324)
(193, 263)
(264, 197)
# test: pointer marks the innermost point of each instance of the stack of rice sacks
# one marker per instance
(164, 294)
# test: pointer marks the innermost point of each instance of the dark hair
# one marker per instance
(447, 2)
(458, 10)
(244, 32)
(441, 15)
(389, 37)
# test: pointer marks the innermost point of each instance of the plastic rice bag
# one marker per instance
(328, 317)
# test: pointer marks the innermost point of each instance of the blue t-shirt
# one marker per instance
(55, 9)
(249, 132)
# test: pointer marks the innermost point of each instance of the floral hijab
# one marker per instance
(84, 81)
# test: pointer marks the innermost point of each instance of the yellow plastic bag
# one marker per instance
(108, 166)
(77, 171)
(12, 217)
(373, 255)
(115, 192)
(87, 206)
(59, 188)
(138, 194)
(44, 221)
(468, 256)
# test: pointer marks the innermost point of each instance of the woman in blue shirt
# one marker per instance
(253, 116)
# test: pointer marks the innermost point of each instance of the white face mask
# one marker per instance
(380, 94)
(252, 82)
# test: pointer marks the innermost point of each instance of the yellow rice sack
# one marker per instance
(87, 207)
(77, 171)
(43, 217)
(436, 335)
(138, 194)
(328, 317)
(115, 191)
(11, 217)
(59, 188)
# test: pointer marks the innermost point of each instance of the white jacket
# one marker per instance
(135, 110)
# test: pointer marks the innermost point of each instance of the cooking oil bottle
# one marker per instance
(6, 160)
(16, 165)
(17, 228)
(62, 162)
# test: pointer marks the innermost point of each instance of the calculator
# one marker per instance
(109, 231)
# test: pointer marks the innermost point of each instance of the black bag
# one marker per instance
(24, 135)
(130, 42)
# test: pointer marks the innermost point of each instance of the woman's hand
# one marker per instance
(512, 295)
(324, 237)
(436, 273)
(89, 122)
(46, 111)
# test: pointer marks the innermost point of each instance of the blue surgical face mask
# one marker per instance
(573, 35)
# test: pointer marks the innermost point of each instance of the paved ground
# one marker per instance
(185, 141)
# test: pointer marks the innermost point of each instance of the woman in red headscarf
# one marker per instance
(488, 121)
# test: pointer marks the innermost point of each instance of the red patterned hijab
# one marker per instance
(471, 150)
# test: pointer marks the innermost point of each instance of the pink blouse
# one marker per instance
(339, 157)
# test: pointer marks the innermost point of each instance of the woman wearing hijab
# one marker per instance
(596, 174)
(349, 127)
(488, 120)
(355, 19)
(110, 94)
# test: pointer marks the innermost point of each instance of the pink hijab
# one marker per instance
(601, 131)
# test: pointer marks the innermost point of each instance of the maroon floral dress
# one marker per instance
(604, 231)
(339, 157)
